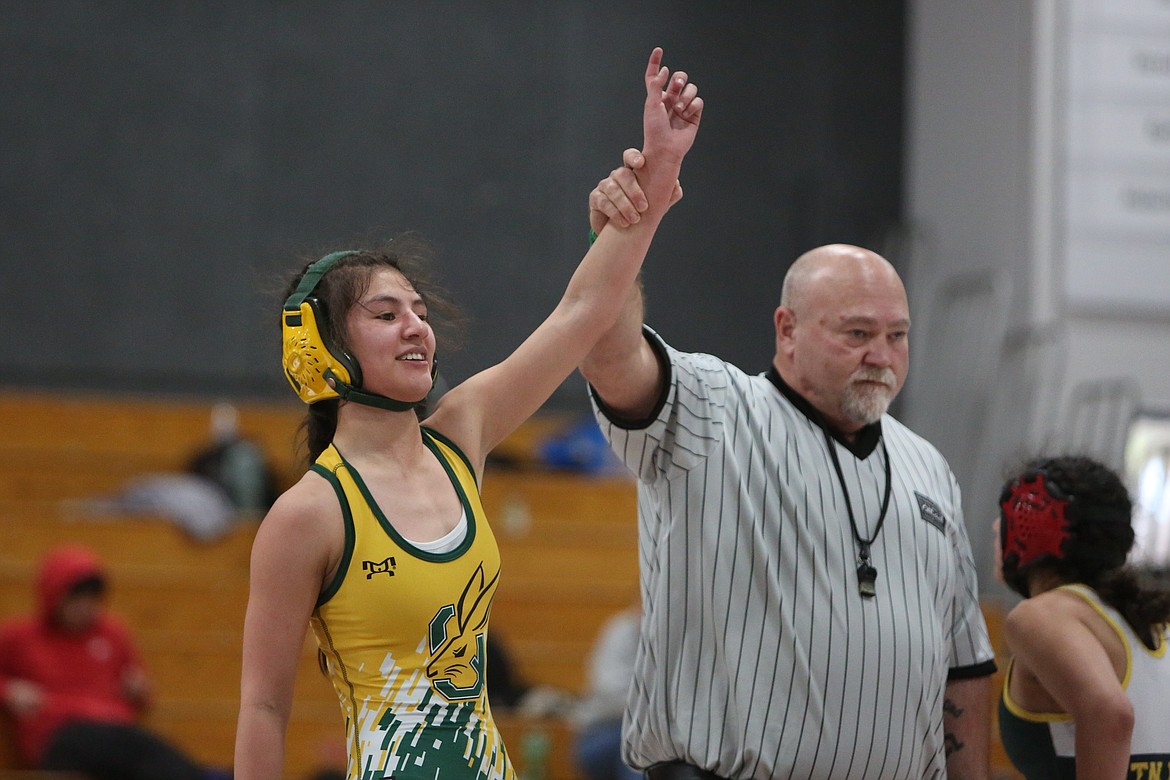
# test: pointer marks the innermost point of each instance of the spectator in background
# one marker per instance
(236, 464)
(227, 480)
(507, 689)
(73, 684)
(597, 746)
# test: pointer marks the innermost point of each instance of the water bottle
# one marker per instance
(534, 748)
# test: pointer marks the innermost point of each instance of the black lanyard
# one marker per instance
(866, 573)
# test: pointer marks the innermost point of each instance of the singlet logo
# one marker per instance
(1149, 766)
(456, 640)
(930, 512)
(379, 567)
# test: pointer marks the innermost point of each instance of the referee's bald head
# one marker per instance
(823, 266)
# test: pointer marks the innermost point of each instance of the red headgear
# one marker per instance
(1033, 522)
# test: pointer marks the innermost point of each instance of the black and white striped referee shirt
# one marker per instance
(759, 658)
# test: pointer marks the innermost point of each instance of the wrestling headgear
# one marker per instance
(1033, 522)
(315, 367)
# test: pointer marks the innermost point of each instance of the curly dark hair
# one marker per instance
(343, 286)
(1099, 516)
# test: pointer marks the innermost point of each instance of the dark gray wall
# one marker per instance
(164, 165)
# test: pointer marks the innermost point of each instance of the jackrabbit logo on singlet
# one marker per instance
(456, 640)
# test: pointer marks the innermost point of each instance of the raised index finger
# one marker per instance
(655, 73)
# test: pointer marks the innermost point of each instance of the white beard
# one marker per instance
(865, 404)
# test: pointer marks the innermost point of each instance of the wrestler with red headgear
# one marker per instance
(1087, 691)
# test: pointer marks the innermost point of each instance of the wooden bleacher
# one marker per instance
(185, 603)
(66, 445)
(567, 542)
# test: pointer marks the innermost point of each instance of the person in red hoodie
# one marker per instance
(73, 684)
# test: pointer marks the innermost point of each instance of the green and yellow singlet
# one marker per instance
(404, 632)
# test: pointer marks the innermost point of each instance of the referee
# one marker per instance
(810, 600)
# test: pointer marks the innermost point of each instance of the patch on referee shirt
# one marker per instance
(930, 512)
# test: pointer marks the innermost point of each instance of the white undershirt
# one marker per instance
(448, 541)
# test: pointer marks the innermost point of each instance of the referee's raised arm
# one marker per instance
(625, 373)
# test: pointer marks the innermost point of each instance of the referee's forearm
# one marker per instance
(622, 367)
(967, 728)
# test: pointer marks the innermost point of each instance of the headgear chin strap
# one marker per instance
(1033, 523)
(315, 368)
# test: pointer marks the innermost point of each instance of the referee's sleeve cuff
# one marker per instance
(984, 669)
(628, 424)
